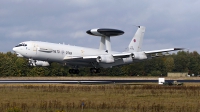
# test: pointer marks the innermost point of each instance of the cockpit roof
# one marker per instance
(21, 44)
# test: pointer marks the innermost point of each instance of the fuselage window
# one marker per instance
(58, 51)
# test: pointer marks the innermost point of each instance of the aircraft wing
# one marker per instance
(80, 58)
(162, 50)
(122, 55)
(93, 58)
(119, 55)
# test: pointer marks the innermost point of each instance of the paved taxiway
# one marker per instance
(91, 81)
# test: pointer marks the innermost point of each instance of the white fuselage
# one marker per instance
(53, 52)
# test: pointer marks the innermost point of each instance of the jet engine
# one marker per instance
(38, 63)
(138, 56)
(134, 57)
(105, 59)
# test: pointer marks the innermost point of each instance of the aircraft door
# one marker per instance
(35, 48)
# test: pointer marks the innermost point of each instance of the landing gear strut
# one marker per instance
(95, 70)
(73, 71)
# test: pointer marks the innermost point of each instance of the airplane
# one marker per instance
(43, 53)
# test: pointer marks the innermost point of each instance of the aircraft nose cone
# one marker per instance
(14, 49)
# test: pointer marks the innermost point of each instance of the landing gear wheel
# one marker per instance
(73, 71)
(70, 71)
(92, 70)
(76, 71)
(98, 70)
(95, 70)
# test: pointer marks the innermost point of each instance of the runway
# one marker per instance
(91, 81)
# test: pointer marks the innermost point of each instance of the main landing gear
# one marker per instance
(73, 71)
(92, 70)
(95, 70)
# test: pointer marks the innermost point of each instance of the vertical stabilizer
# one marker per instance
(136, 43)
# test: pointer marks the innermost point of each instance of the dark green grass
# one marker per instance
(100, 98)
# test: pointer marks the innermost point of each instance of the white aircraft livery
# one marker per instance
(43, 53)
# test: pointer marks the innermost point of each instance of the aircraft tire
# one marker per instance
(74, 71)
(70, 71)
(95, 70)
(98, 70)
(92, 70)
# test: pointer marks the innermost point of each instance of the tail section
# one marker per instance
(136, 43)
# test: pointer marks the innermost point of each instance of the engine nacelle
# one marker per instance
(38, 63)
(41, 63)
(105, 59)
(127, 60)
(139, 56)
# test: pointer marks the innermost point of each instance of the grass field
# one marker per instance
(99, 78)
(99, 98)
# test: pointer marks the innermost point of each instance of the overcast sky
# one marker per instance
(169, 23)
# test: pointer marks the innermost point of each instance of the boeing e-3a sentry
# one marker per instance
(43, 53)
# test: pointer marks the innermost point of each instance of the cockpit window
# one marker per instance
(21, 44)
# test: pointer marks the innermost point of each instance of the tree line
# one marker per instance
(182, 61)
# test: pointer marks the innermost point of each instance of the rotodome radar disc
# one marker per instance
(105, 32)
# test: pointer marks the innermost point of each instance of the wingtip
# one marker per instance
(179, 48)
